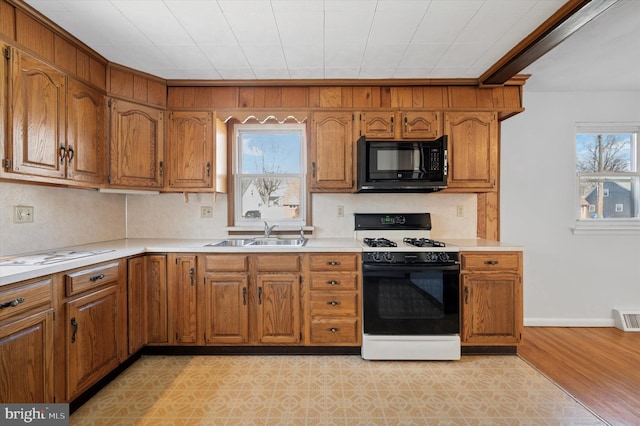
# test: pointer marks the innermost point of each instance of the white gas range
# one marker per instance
(411, 294)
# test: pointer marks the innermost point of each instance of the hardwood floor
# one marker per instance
(600, 367)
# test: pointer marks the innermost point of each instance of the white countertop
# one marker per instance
(111, 250)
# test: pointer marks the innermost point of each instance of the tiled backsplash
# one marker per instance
(65, 217)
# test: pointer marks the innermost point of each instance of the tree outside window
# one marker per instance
(607, 171)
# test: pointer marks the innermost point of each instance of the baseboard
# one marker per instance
(569, 322)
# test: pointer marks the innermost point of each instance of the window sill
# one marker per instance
(607, 227)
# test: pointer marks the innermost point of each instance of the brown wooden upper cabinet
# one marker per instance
(196, 152)
(391, 124)
(137, 146)
(57, 124)
(332, 152)
(473, 151)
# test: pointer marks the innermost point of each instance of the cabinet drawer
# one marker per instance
(278, 263)
(86, 279)
(22, 298)
(226, 263)
(334, 281)
(335, 331)
(491, 262)
(334, 304)
(334, 262)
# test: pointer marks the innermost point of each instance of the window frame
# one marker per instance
(611, 226)
(256, 224)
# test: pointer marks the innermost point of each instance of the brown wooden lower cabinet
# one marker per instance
(491, 284)
(95, 329)
(26, 342)
(251, 299)
(334, 299)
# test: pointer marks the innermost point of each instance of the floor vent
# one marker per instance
(627, 320)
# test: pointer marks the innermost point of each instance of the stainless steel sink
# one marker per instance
(291, 242)
(259, 242)
(231, 242)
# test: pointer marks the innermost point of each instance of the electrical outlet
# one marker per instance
(460, 211)
(22, 214)
(206, 212)
(340, 211)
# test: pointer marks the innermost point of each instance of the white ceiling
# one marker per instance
(321, 39)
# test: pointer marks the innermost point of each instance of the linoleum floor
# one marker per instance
(331, 390)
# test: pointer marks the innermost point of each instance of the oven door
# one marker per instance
(411, 300)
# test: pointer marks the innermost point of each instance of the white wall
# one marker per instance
(572, 280)
(62, 217)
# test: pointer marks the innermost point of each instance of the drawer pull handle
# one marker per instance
(466, 295)
(74, 324)
(491, 262)
(259, 295)
(333, 282)
(244, 295)
(96, 277)
(192, 277)
(12, 303)
(333, 329)
(333, 303)
(333, 263)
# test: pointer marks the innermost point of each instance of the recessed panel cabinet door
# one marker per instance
(37, 117)
(86, 133)
(226, 308)
(26, 359)
(332, 153)
(473, 150)
(137, 146)
(190, 150)
(183, 299)
(92, 332)
(278, 308)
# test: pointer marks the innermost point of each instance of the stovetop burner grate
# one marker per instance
(423, 242)
(379, 242)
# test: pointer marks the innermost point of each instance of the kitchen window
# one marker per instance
(608, 178)
(269, 174)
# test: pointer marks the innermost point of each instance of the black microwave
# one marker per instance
(402, 166)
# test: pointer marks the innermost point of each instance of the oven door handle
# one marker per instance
(387, 267)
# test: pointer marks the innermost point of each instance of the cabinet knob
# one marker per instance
(333, 282)
(333, 303)
(491, 262)
(333, 263)
(333, 329)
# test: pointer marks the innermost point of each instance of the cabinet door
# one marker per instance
(226, 308)
(491, 308)
(37, 117)
(190, 150)
(183, 292)
(92, 330)
(278, 308)
(157, 309)
(421, 125)
(378, 124)
(86, 133)
(137, 145)
(473, 150)
(137, 303)
(332, 152)
(26, 356)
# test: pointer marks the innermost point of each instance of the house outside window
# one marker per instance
(269, 174)
(608, 177)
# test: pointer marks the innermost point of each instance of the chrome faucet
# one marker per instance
(268, 229)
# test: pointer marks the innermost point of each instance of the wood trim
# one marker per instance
(566, 21)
